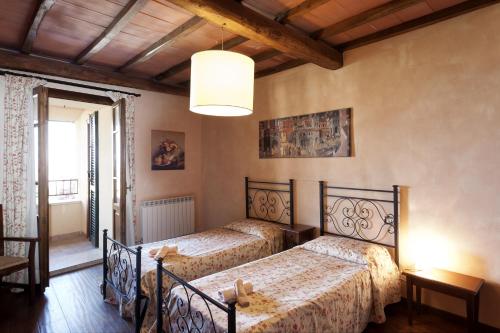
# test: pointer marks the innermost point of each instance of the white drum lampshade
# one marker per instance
(221, 83)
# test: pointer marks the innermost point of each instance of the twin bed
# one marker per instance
(129, 274)
(331, 284)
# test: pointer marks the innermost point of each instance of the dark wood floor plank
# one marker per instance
(427, 322)
(72, 304)
(16, 314)
(82, 304)
(52, 317)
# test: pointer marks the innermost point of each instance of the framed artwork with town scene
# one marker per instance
(167, 150)
(324, 134)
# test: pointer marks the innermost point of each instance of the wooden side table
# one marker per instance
(296, 234)
(454, 284)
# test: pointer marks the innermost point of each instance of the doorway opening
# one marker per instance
(80, 188)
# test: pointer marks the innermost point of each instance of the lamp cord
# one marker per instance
(222, 35)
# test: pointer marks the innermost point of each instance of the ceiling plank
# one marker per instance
(249, 24)
(281, 67)
(364, 17)
(441, 15)
(229, 44)
(39, 65)
(185, 29)
(43, 8)
(120, 21)
(301, 9)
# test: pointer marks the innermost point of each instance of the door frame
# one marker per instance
(44, 93)
(119, 205)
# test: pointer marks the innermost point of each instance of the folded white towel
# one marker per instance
(229, 294)
(164, 251)
(241, 293)
(172, 249)
(248, 287)
(152, 252)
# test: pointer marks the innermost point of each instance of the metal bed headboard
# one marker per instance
(372, 216)
(270, 201)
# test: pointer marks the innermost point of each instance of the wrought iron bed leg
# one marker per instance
(144, 307)
(159, 296)
(231, 318)
(104, 262)
(321, 208)
(247, 204)
(292, 204)
(138, 293)
(395, 191)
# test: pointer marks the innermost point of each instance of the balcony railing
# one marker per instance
(63, 187)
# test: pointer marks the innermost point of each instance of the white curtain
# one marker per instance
(18, 191)
(133, 231)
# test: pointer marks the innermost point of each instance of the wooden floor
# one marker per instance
(73, 304)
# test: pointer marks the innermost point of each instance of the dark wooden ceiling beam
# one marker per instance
(39, 65)
(265, 55)
(119, 22)
(364, 17)
(43, 8)
(441, 15)
(283, 18)
(183, 30)
(79, 97)
(281, 67)
(301, 9)
(249, 24)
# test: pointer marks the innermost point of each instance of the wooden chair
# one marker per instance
(11, 264)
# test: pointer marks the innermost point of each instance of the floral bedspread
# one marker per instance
(205, 253)
(303, 289)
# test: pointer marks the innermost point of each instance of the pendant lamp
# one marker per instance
(222, 83)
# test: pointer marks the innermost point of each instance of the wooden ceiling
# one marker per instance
(147, 44)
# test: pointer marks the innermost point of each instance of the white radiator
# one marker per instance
(167, 218)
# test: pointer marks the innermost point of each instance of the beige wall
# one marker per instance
(65, 218)
(426, 116)
(166, 112)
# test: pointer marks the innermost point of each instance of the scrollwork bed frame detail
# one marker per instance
(120, 274)
(352, 216)
(269, 201)
(190, 319)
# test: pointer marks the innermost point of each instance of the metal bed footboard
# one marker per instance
(120, 274)
(190, 319)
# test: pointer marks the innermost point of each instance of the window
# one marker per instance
(64, 161)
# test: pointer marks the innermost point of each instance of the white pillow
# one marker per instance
(359, 252)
